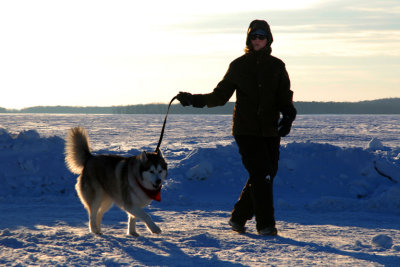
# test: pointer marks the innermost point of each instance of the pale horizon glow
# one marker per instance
(111, 53)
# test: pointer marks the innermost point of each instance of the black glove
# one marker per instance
(284, 126)
(185, 98)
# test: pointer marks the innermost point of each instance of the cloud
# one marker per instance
(341, 27)
(332, 16)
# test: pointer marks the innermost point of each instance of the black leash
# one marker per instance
(163, 128)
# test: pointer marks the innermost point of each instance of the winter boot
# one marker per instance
(268, 231)
(237, 227)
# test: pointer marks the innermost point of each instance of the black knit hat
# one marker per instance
(259, 25)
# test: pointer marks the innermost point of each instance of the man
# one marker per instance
(262, 88)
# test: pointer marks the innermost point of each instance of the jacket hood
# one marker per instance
(259, 25)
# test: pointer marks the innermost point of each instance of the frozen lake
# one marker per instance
(333, 208)
(132, 130)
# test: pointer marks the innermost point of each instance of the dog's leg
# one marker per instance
(104, 206)
(132, 225)
(93, 227)
(94, 213)
(90, 201)
(141, 214)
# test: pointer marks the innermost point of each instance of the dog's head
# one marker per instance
(153, 169)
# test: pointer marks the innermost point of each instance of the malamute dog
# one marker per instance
(129, 182)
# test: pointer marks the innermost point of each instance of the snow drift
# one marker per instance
(318, 177)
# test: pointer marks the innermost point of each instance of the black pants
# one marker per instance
(260, 157)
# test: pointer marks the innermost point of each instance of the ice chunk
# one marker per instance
(382, 241)
(375, 144)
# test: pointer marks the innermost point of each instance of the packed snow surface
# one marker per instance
(337, 194)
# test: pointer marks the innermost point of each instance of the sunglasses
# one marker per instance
(257, 36)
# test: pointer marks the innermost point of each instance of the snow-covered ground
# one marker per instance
(337, 194)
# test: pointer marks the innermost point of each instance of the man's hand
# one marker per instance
(284, 126)
(185, 98)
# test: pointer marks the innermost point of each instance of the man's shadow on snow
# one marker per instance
(366, 220)
(316, 248)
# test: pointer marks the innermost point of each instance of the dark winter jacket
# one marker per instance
(262, 91)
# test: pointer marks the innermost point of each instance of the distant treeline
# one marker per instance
(380, 106)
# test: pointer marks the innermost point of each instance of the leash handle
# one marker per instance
(163, 128)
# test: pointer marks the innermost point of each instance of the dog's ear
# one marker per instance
(143, 156)
(159, 153)
(161, 158)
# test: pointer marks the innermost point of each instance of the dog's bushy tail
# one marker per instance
(77, 149)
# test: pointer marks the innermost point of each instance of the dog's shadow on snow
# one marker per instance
(158, 251)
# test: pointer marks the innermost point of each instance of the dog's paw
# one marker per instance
(97, 233)
(134, 234)
(156, 230)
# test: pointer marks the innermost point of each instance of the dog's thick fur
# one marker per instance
(129, 182)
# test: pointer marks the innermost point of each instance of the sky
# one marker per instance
(111, 53)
